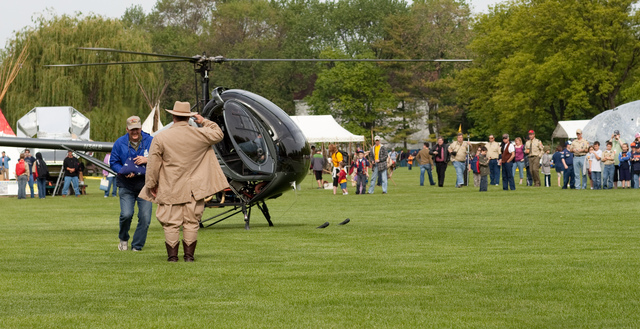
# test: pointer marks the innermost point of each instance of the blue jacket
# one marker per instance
(119, 154)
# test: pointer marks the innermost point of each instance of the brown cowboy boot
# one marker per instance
(189, 250)
(172, 252)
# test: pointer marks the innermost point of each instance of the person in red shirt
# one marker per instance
(342, 178)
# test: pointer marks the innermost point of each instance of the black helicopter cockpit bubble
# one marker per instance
(259, 133)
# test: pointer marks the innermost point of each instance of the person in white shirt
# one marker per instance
(595, 157)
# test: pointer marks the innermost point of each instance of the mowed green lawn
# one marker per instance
(415, 257)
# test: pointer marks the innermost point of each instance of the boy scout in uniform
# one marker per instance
(579, 147)
(534, 148)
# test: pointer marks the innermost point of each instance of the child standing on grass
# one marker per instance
(595, 165)
(545, 163)
(474, 167)
(608, 157)
(361, 167)
(625, 173)
(342, 178)
(483, 161)
(556, 160)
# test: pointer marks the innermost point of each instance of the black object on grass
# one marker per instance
(323, 225)
(345, 221)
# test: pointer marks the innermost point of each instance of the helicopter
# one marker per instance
(263, 153)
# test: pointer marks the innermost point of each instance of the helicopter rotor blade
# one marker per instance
(117, 63)
(186, 58)
(337, 60)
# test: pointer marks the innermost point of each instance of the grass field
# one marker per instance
(415, 257)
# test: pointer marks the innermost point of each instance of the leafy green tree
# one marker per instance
(430, 29)
(105, 94)
(538, 62)
(357, 94)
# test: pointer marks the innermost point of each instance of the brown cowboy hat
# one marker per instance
(182, 109)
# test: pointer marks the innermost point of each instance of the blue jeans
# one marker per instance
(374, 179)
(578, 165)
(22, 186)
(596, 177)
(42, 187)
(459, 167)
(72, 180)
(607, 176)
(507, 176)
(112, 184)
(31, 183)
(427, 168)
(494, 171)
(128, 199)
(635, 180)
(520, 166)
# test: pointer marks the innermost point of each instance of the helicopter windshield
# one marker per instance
(245, 133)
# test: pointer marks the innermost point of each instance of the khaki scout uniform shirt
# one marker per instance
(579, 147)
(536, 149)
(460, 149)
(493, 150)
(608, 154)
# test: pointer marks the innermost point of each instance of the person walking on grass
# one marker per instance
(378, 159)
(458, 150)
(129, 160)
(181, 172)
(426, 163)
(440, 154)
(508, 154)
(317, 164)
(360, 168)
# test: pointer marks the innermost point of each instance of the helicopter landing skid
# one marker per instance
(238, 207)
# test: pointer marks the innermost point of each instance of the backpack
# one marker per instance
(20, 168)
(42, 169)
(475, 165)
(345, 156)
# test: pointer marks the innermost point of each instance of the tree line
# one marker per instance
(535, 62)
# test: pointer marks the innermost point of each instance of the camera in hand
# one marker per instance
(454, 153)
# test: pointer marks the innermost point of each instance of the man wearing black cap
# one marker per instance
(534, 149)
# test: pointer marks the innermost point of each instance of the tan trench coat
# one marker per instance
(182, 163)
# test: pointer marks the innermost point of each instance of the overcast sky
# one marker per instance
(15, 15)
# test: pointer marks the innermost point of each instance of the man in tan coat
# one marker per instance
(182, 170)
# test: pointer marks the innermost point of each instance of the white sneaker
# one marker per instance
(345, 193)
(123, 245)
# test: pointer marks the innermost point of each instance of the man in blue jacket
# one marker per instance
(128, 160)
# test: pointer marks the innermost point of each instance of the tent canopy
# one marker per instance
(5, 128)
(567, 129)
(324, 128)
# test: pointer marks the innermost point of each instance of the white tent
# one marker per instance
(324, 128)
(152, 123)
(567, 129)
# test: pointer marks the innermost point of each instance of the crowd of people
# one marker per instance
(578, 164)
